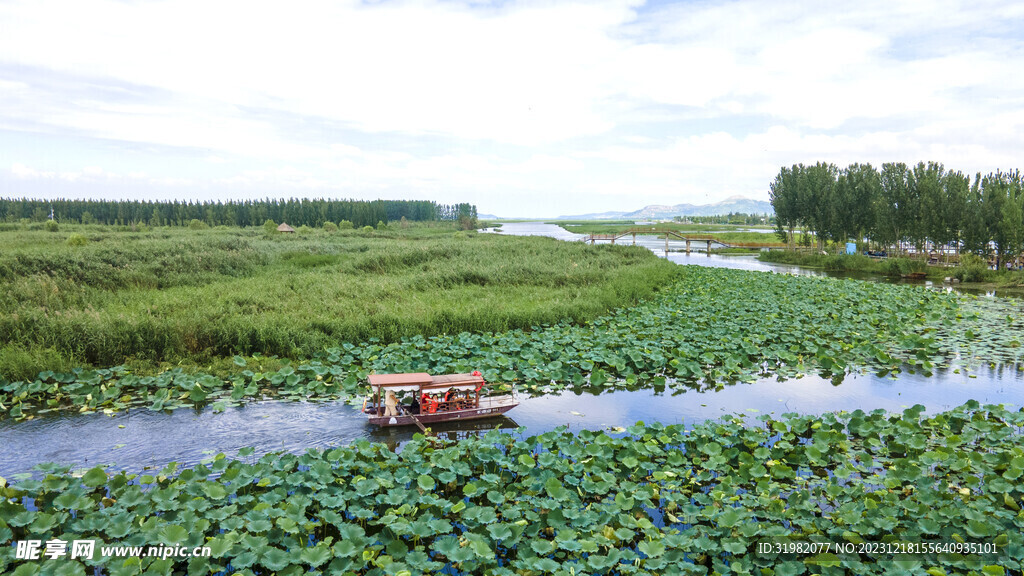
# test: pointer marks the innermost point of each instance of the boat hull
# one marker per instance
(486, 410)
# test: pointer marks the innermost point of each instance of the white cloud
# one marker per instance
(92, 175)
(522, 76)
(19, 170)
(683, 101)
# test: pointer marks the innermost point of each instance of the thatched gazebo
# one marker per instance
(285, 228)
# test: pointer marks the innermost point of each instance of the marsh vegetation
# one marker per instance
(173, 296)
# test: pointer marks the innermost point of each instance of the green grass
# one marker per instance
(735, 251)
(193, 297)
(972, 270)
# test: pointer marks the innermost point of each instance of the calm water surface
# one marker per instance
(141, 438)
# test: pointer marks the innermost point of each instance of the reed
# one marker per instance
(177, 296)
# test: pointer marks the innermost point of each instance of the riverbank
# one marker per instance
(971, 272)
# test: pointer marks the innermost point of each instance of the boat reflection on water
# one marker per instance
(394, 437)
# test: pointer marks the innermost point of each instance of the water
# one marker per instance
(152, 439)
(142, 438)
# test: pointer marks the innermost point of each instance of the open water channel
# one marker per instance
(141, 438)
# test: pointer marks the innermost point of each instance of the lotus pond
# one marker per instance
(657, 499)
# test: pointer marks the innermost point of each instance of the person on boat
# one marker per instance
(428, 403)
(414, 405)
(390, 404)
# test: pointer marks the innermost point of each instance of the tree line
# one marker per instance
(925, 206)
(297, 212)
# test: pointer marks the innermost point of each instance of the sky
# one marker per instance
(523, 108)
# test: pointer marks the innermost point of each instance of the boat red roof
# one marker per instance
(414, 378)
(425, 380)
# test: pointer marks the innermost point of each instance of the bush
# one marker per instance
(892, 267)
(847, 262)
(972, 268)
(303, 230)
(269, 226)
(195, 224)
(330, 227)
(345, 225)
(77, 240)
(903, 266)
(793, 257)
(917, 266)
(835, 263)
(51, 226)
(367, 228)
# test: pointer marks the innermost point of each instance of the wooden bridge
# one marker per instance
(688, 238)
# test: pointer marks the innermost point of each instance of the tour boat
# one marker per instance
(446, 398)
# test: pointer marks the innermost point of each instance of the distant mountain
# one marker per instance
(658, 212)
(597, 216)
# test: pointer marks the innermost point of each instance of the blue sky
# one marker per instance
(522, 108)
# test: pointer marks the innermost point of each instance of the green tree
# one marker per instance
(926, 180)
(857, 191)
(974, 230)
(783, 196)
(1003, 213)
(895, 208)
(817, 193)
(955, 189)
